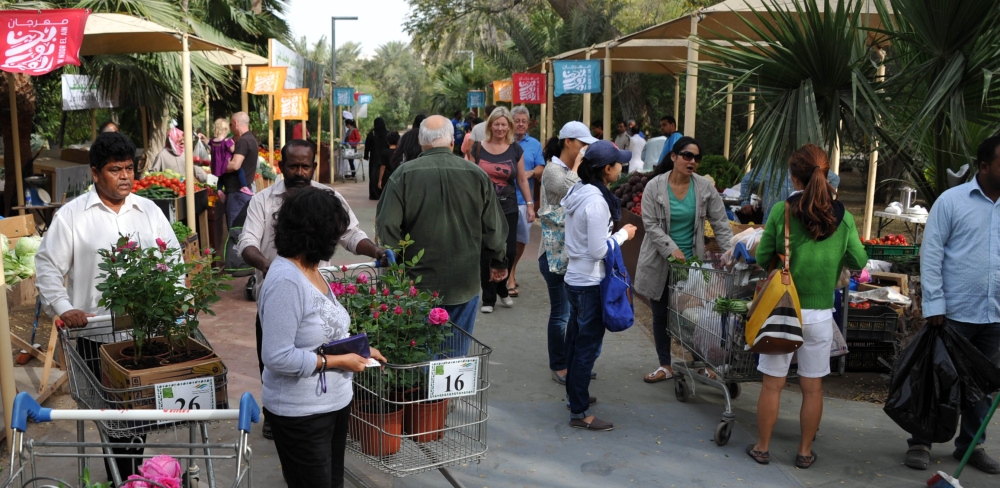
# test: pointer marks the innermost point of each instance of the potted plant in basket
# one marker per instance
(162, 296)
(409, 327)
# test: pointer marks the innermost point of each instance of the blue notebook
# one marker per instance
(356, 344)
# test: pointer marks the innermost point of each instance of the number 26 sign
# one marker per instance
(193, 394)
(453, 378)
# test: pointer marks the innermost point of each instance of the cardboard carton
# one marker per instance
(892, 279)
(17, 227)
(22, 293)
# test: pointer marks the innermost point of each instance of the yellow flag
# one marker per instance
(292, 105)
(264, 80)
(503, 91)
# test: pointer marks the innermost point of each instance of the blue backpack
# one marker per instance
(616, 291)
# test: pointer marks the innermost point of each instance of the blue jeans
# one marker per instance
(462, 315)
(986, 338)
(558, 315)
(584, 335)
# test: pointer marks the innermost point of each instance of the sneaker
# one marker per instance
(486, 309)
(596, 424)
(980, 460)
(507, 302)
(266, 430)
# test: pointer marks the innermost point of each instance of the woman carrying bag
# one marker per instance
(591, 210)
(675, 205)
(822, 238)
(564, 155)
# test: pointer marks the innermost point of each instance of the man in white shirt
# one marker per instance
(88, 223)
(256, 245)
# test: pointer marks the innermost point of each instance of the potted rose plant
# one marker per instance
(161, 295)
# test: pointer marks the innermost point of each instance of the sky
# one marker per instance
(379, 21)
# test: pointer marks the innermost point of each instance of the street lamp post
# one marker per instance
(333, 79)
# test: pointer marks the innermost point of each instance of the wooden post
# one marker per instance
(586, 101)
(319, 133)
(691, 97)
(281, 130)
(750, 117)
(244, 96)
(607, 92)
(18, 175)
(333, 135)
(729, 120)
(270, 131)
(873, 164)
(549, 105)
(677, 98)
(188, 134)
(208, 113)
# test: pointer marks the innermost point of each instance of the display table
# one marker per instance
(43, 212)
(914, 223)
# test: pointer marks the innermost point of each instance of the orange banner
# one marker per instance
(503, 91)
(263, 80)
(292, 105)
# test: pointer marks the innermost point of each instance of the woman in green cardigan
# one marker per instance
(822, 239)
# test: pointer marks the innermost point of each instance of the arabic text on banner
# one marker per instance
(343, 96)
(263, 80)
(477, 99)
(281, 55)
(292, 105)
(577, 77)
(35, 42)
(529, 88)
(502, 91)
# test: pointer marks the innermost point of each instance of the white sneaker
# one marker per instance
(507, 302)
(486, 309)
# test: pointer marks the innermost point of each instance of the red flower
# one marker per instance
(343, 268)
(376, 314)
(161, 244)
(371, 291)
(363, 279)
(413, 291)
(351, 289)
(438, 316)
(413, 343)
(435, 294)
(383, 307)
(398, 310)
(385, 292)
(337, 288)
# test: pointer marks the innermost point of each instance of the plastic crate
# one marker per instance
(863, 356)
(874, 324)
(880, 251)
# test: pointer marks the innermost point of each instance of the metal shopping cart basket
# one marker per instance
(80, 347)
(24, 469)
(714, 339)
(403, 431)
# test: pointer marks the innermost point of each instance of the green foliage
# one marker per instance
(725, 172)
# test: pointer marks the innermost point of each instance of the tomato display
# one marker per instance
(888, 240)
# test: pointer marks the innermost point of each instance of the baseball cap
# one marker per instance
(576, 130)
(603, 153)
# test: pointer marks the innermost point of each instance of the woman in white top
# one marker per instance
(636, 145)
(591, 210)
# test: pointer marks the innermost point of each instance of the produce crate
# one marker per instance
(880, 251)
(863, 356)
(874, 324)
(176, 208)
(189, 248)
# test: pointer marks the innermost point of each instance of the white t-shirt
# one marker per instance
(636, 145)
(479, 132)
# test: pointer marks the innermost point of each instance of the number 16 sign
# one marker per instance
(453, 378)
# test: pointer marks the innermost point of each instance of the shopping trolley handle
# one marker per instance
(249, 412)
(740, 252)
(390, 257)
(25, 407)
(90, 320)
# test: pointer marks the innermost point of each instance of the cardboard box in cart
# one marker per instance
(24, 291)
(117, 377)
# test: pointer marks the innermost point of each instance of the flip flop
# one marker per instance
(661, 374)
(512, 292)
(803, 462)
(762, 457)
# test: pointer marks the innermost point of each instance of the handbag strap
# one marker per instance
(786, 272)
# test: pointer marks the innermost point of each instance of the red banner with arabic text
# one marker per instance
(36, 42)
(529, 88)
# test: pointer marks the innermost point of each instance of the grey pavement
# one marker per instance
(657, 441)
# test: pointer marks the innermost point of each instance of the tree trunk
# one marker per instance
(157, 137)
(25, 92)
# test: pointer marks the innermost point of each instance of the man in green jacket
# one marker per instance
(449, 209)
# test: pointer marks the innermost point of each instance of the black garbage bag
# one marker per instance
(938, 376)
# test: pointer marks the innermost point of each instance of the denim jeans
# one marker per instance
(661, 334)
(558, 315)
(986, 338)
(584, 335)
(462, 315)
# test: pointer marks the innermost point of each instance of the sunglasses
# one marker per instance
(690, 156)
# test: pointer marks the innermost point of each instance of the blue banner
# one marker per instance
(477, 99)
(343, 97)
(364, 98)
(577, 77)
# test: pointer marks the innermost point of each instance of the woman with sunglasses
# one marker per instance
(675, 205)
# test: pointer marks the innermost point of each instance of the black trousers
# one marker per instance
(311, 448)
(260, 361)
(492, 290)
(90, 352)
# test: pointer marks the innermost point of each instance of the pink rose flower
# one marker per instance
(161, 244)
(398, 310)
(168, 482)
(413, 343)
(161, 466)
(435, 294)
(343, 268)
(413, 291)
(161, 267)
(351, 289)
(135, 481)
(208, 251)
(363, 279)
(375, 315)
(337, 288)
(383, 307)
(131, 245)
(385, 292)
(438, 316)
(371, 291)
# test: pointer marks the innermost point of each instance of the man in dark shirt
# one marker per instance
(449, 209)
(245, 160)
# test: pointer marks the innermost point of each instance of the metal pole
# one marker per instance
(188, 128)
(873, 165)
(319, 131)
(18, 177)
(586, 101)
(729, 120)
(333, 135)
(691, 97)
(334, 127)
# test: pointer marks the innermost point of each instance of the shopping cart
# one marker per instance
(714, 339)
(401, 432)
(82, 356)
(352, 156)
(24, 470)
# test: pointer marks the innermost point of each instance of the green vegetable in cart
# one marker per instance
(181, 231)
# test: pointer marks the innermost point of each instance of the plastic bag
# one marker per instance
(938, 376)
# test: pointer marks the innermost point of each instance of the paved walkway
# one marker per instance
(657, 441)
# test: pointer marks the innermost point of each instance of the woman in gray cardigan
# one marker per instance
(675, 206)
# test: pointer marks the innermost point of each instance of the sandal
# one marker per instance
(803, 462)
(512, 292)
(762, 457)
(661, 374)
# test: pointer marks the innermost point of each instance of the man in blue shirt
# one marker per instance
(534, 164)
(960, 280)
(748, 186)
(460, 127)
(673, 135)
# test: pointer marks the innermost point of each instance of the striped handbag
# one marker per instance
(774, 325)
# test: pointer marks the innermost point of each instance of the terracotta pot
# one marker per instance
(380, 434)
(426, 416)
